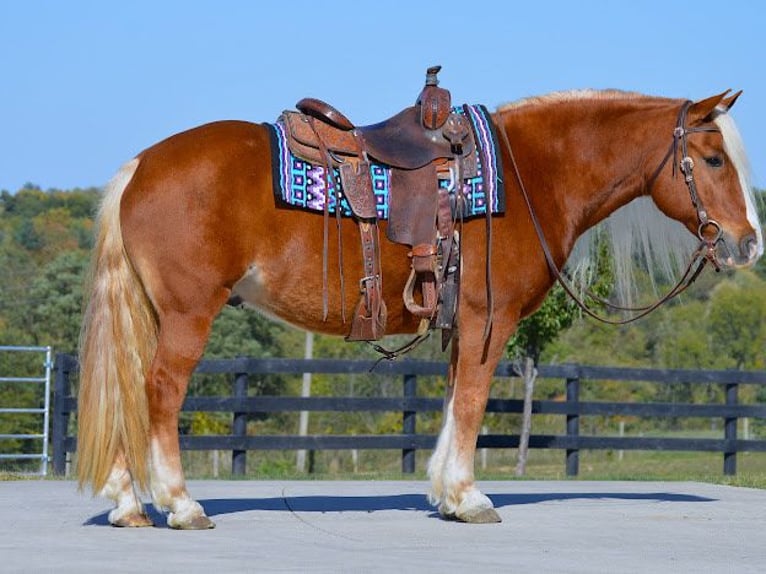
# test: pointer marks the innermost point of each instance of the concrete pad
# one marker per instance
(388, 526)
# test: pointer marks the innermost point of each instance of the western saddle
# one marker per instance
(421, 144)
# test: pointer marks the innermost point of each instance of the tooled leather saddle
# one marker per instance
(422, 144)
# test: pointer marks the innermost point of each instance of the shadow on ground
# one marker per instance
(406, 502)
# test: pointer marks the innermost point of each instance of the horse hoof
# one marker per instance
(137, 520)
(200, 522)
(475, 508)
(483, 516)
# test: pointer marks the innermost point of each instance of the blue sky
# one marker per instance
(84, 85)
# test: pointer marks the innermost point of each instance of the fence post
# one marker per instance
(573, 426)
(730, 432)
(239, 425)
(408, 423)
(62, 388)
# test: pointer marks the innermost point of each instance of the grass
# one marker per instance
(493, 464)
(642, 465)
(499, 464)
(8, 476)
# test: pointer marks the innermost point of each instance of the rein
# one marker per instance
(704, 253)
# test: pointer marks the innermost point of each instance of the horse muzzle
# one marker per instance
(738, 253)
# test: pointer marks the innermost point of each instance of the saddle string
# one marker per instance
(326, 222)
(700, 257)
(329, 178)
(338, 226)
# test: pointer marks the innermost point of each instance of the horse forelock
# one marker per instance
(735, 149)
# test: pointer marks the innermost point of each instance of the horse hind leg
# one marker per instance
(119, 487)
(181, 342)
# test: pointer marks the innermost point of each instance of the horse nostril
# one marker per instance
(749, 247)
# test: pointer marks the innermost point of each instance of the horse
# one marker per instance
(192, 221)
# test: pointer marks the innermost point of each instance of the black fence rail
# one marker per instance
(410, 404)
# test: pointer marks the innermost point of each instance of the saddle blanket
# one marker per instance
(300, 184)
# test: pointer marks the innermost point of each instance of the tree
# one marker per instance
(534, 332)
(56, 301)
(737, 321)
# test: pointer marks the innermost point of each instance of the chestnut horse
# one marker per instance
(192, 221)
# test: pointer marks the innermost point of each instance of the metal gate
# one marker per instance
(36, 401)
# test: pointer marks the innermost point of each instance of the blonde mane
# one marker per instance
(569, 96)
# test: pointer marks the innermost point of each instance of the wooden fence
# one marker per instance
(410, 404)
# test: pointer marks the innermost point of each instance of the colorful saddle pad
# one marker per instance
(303, 185)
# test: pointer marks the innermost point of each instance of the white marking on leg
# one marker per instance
(438, 459)
(455, 477)
(165, 480)
(452, 479)
(119, 488)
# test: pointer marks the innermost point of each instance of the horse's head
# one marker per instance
(707, 186)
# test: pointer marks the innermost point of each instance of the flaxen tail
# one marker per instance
(117, 342)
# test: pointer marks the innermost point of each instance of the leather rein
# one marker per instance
(705, 252)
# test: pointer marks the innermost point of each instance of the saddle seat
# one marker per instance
(400, 141)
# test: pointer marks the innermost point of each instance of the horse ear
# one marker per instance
(727, 103)
(703, 110)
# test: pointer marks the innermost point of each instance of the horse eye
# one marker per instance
(714, 161)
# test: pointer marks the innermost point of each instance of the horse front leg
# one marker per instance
(451, 468)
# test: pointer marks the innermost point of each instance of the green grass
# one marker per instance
(641, 465)
(499, 464)
(8, 476)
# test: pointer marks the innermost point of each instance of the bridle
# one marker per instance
(686, 165)
(703, 254)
